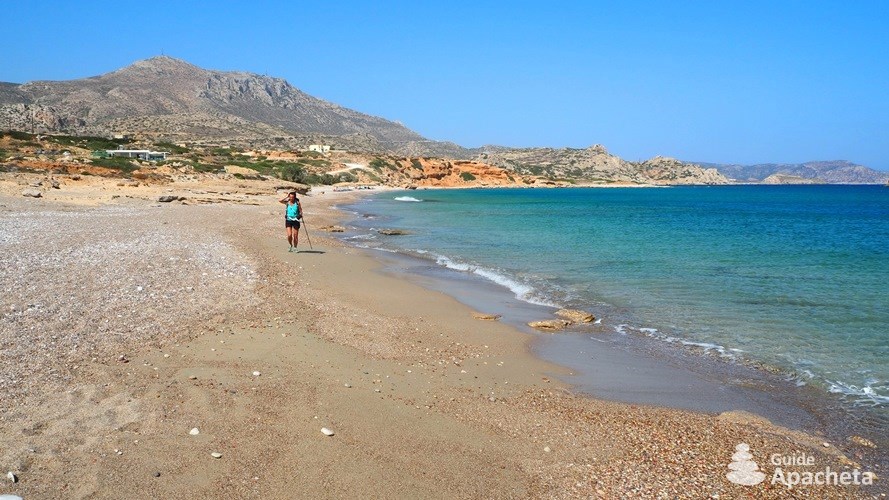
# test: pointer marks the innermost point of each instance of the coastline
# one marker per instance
(463, 408)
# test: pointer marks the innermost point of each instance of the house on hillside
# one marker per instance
(319, 148)
(139, 154)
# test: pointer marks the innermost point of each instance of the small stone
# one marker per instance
(825, 444)
(347, 386)
(166, 355)
(492, 399)
(550, 325)
(485, 317)
(12, 477)
(546, 449)
(256, 374)
(326, 431)
(216, 454)
(157, 474)
(194, 432)
(193, 377)
(376, 390)
(32, 193)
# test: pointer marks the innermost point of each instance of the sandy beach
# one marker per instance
(127, 323)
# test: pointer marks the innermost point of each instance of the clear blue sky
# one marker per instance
(728, 82)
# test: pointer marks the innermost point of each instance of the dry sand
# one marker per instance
(125, 325)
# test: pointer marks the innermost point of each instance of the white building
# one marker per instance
(320, 148)
(142, 154)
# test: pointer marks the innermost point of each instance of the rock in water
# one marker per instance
(576, 315)
(392, 232)
(326, 431)
(550, 325)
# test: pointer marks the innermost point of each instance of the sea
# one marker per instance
(793, 280)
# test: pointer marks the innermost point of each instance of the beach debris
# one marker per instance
(256, 374)
(194, 431)
(550, 324)
(486, 317)
(326, 431)
(216, 454)
(393, 232)
(860, 441)
(32, 193)
(12, 477)
(576, 315)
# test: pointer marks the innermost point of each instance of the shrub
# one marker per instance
(172, 148)
(292, 172)
(466, 176)
(125, 165)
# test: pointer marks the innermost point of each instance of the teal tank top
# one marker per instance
(292, 211)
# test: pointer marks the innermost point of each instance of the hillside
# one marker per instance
(171, 99)
(595, 165)
(831, 172)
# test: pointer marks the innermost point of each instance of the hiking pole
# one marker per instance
(306, 227)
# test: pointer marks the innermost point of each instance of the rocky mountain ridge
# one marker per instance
(824, 172)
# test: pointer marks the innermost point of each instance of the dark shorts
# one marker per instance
(291, 223)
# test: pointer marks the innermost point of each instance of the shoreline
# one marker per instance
(463, 408)
(433, 265)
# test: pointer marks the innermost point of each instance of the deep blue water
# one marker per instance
(795, 277)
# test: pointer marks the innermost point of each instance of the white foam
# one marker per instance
(406, 198)
(522, 291)
(865, 394)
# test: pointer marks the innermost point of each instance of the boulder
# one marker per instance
(33, 193)
(550, 325)
(393, 232)
(485, 317)
(332, 229)
(168, 198)
(576, 316)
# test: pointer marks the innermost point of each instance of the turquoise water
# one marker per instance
(795, 277)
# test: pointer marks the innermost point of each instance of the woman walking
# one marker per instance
(292, 217)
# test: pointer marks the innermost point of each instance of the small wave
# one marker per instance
(406, 198)
(862, 395)
(522, 291)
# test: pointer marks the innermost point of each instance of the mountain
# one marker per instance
(831, 172)
(595, 165)
(174, 100)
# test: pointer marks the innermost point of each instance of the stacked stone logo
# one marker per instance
(744, 470)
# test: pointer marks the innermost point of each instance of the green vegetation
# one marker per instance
(379, 164)
(466, 176)
(416, 163)
(125, 165)
(87, 142)
(15, 134)
(170, 147)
